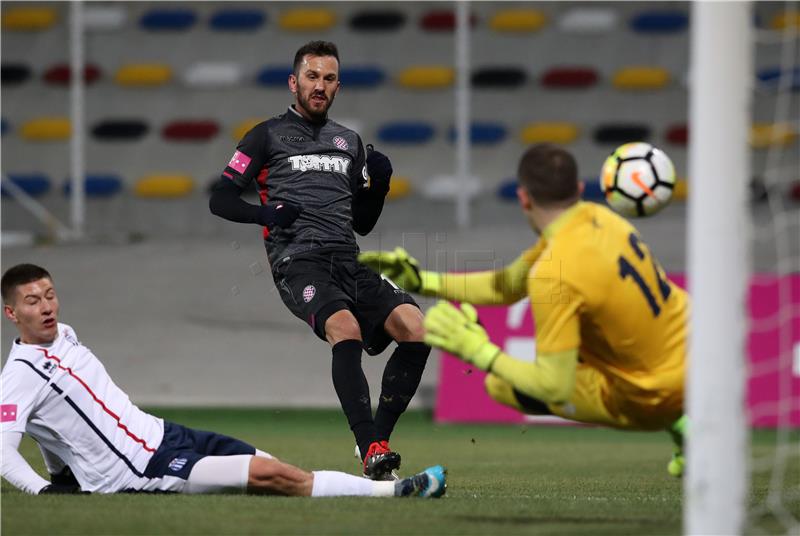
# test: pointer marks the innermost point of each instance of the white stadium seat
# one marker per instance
(213, 74)
(104, 18)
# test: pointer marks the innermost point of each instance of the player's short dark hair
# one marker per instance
(549, 174)
(20, 275)
(315, 48)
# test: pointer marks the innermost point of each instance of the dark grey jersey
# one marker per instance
(318, 167)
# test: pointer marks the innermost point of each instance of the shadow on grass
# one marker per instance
(530, 520)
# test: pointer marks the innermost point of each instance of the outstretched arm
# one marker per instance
(16, 470)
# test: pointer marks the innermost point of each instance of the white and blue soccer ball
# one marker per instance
(637, 179)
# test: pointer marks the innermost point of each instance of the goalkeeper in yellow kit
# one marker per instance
(610, 328)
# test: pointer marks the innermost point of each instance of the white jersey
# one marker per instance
(63, 397)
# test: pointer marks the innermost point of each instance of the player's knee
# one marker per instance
(269, 476)
(405, 324)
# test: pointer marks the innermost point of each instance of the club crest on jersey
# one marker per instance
(340, 142)
(177, 464)
(308, 293)
(320, 162)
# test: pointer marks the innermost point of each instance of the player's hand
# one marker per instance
(278, 215)
(457, 331)
(60, 489)
(379, 169)
(397, 265)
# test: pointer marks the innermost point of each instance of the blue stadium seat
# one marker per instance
(773, 78)
(592, 190)
(483, 133)
(274, 76)
(660, 22)
(97, 186)
(507, 191)
(237, 20)
(33, 184)
(406, 132)
(168, 19)
(362, 77)
(4, 127)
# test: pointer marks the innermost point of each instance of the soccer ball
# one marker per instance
(637, 179)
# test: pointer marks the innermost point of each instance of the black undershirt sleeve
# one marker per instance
(226, 202)
(367, 208)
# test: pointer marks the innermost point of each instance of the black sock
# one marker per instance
(353, 392)
(400, 381)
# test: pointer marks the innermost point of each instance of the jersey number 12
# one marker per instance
(626, 269)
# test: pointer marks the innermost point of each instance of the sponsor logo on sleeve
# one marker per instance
(8, 413)
(239, 161)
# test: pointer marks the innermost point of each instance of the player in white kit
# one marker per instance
(94, 439)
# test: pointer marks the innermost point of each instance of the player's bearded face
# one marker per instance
(35, 311)
(315, 85)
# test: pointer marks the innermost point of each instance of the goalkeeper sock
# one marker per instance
(400, 381)
(352, 389)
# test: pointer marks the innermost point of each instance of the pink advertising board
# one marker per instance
(774, 379)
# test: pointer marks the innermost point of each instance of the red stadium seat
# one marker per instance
(61, 74)
(190, 130)
(569, 77)
(442, 21)
(677, 134)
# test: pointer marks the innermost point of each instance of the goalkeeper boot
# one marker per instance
(430, 483)
(677, 431)
(380, 463)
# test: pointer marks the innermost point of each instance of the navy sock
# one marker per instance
(352, 389)
(400, 381)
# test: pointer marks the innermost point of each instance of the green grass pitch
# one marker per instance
(502, 480)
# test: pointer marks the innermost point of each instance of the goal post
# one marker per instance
(721, 63)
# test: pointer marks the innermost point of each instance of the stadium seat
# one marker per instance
(103, 18)
(97, 186)
(164, 186)
(190, 130)
(507, 191)
(775, 78)
(621, 133)
(175, 19)
(681, 190)
(641, 78)
(47, 129)
(442, 20)
(13, 74)
(483, 133)
(143, 75)
(498, 77)
(677, 134)
(449, 187)
(307, 19)
(549, 133)
(274, 76)
(4, 127)
(377, 21)
(786, 20)
(33, 184)
(362, 77)
(765, 135)
(517, 20)
(244, 127)
(427, 77)
(588, 20)
(61, 74)
(206, 74)
(28, 19)
(237, 20)
(660, 22)
(399, 188)
(119, 130)
(794, 191)
(407, 132)
(569, 77)
(592, 191)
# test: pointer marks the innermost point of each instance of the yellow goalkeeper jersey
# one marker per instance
(595, 286)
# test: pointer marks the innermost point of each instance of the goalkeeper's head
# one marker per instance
(548, 183)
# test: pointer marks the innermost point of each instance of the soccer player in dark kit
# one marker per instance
(317, 185)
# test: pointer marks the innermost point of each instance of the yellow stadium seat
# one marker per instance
(549, 132)
(244, 127)
(164, 186)
(307, 19)
(764, 135)
(399, 188)
(427, 77)
(517, 20)
(28, 18)
(143, 74)
(637, 78)
(47, 129)
(786, 20)
(681, 190)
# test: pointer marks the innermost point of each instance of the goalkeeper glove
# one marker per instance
(281, 215)
(379, 169)
(457, 331)
(403, 270)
